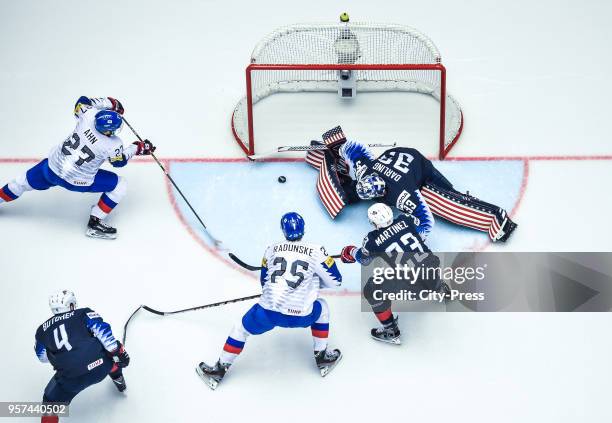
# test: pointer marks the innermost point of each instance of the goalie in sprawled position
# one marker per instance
(291, 274)
(402, 178)
(75, 163)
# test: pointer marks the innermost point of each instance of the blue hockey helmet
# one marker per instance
(108, 122)
(292, 225)
(370, 186)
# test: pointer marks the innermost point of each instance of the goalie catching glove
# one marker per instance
(144, 148)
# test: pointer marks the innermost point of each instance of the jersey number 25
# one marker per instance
(294, 271)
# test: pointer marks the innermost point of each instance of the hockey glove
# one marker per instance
(117, 106)
(123, 358)
(144, 148)
(348, 254)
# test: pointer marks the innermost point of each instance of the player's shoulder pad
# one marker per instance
(81, 104)
(329, 261)
(90, 313)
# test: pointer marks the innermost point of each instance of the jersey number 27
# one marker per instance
(70, 145)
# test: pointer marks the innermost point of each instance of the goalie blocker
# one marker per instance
(411, 184)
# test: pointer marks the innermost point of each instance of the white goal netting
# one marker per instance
(308, 57)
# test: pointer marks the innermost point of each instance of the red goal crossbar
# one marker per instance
(249, 146)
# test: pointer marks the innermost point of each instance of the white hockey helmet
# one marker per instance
(62, 302)
(380, 215)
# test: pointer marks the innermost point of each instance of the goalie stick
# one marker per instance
(294, 148)
(168, 313)
(255, 268)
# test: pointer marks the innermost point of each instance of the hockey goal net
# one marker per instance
(346, 58)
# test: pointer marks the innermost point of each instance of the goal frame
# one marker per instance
(249, 148)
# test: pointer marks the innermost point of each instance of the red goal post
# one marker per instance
(273, 69)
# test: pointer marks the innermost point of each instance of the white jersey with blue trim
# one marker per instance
(292, 274)
(78, 159)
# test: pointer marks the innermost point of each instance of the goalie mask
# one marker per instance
(62, 302)
(370, 186)
(380, 215)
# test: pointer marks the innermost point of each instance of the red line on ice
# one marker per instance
(217, 254)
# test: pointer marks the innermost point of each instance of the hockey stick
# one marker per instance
(168, 313)
(255, 268)
(213, 239)
(293, 148)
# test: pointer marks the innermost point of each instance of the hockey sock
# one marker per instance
(234, 344)
(385, 318)
(15, 188)
(320, 333)
(320, 328)
(7, 195)
(109, 200)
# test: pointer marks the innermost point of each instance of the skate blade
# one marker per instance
(392, 341)
(325, 370)
(92, 233)
(210, 382)
(121, 390)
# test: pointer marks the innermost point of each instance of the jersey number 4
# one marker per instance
(294, 271)
(70, 145)
(61, 338)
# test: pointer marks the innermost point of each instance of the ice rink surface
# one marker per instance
(533, 82)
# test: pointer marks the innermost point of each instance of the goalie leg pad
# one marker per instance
(465, 210)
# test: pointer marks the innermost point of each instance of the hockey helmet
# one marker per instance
(62, 302)
(108, 122)
(292, 225)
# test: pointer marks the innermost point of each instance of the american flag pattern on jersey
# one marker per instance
(465, 210)
(334, 136)
(329, 188)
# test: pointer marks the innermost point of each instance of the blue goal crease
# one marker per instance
(245, 203)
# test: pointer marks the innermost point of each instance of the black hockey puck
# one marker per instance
(282, 179)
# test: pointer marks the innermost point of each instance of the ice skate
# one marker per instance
(212, 375)
(327, 360)
(119, 383)
(96, 228)
(389, 334)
